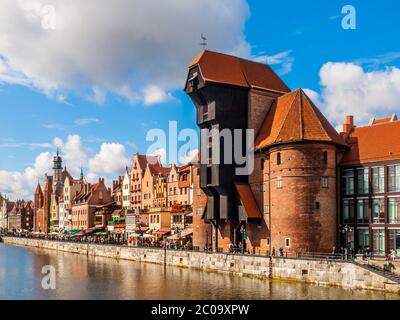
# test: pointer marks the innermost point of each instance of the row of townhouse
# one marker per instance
(151, 185)
(16, 216)
(154, 198)
(66, 204)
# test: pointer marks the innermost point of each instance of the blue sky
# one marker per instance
(108, 90)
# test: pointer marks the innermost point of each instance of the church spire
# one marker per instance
(81, 174)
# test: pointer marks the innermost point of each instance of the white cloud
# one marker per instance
(121, 47)
(346, 88)
(75, 155)
(86, 121)
(153, 94)
(21, 185)
(189, 156)
(111, 159)
(282, 60)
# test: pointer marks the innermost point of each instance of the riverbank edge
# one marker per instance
(318, 272)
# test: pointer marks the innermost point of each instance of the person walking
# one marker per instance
(281, 251)
(273, 251)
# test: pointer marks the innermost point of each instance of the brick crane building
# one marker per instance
(301, 191)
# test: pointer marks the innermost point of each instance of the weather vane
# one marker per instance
(203, 41)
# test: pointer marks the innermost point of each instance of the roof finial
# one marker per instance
(81, 173)
(203, 41)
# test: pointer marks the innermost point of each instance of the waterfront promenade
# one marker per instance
(326, 272)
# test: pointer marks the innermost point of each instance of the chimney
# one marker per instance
(349, 125)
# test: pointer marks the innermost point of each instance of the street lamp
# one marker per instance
(347, 231)
(244, 236)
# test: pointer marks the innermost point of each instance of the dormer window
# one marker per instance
(194, 81)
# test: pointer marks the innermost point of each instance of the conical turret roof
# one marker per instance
(294, 118)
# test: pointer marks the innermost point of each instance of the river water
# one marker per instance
(82, 277)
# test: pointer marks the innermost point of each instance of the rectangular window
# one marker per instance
(394, 241)
(279, 183)
(394, 178)
(325, 182)
(205, 112)
(362, 181)
(378, 213)
(268, 241)
(363, 238)
(199, 211)
(362, 211)
(209, 181)
(378, 179)
(348, 211)
(287, 242)
(379, 241)
(266, 209)
(394, 210)
(348, 182)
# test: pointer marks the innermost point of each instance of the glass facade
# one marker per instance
(362, 181)
(394, 210)
(348, 211)
(394, 178)
(378, 210)
(371, 199)
(378, 179)
(363, 238)
(362, 211)
(379, 241)
(348, 182)
(394, 241)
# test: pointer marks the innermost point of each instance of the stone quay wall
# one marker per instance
(319, 272)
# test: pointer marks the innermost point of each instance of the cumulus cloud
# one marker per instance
(123, 47)
(111, 159)
(21, 185)
(346, 88)
(154, 94)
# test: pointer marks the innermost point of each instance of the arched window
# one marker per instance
(325, 157)
(278, 158)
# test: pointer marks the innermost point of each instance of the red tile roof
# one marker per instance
(248, 201)
(373, 143)
(144, 159)
(222, 68)
(294, 118)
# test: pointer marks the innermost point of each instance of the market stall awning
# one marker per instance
(144, 229)
(90, 230)
(163, 232)
(75, 231)
(184, 233)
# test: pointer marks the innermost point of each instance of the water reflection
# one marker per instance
(82, 277)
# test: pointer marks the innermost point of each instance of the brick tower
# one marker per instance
(297, 151)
